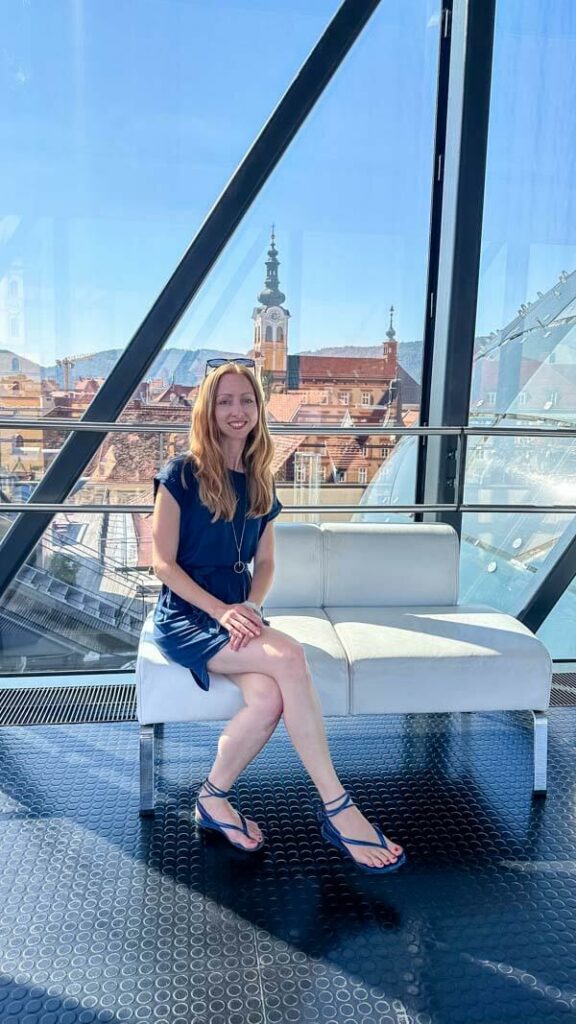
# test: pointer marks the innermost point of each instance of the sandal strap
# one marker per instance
(336, 810)
(382, 845)
(224, 824)
(214, 790)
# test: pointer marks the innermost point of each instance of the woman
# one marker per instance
(214, 512)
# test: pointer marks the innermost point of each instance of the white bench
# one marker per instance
(376, 609)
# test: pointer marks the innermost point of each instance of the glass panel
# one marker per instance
(557, 632)
(526, 341)
(502, 553)
(121, 132)
(79, 602)
(350, 201)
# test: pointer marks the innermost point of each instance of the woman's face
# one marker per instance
(235, 409)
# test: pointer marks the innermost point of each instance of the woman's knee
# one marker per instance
(263, 692)
(292, 659)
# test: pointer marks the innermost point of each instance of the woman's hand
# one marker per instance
(243, 624)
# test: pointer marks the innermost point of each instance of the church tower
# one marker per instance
(271, 326)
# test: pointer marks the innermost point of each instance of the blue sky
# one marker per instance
(122, 130)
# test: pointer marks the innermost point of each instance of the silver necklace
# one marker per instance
(239, 566)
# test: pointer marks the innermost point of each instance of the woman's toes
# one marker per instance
(254, 830)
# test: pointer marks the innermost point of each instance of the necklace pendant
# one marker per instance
(239, 567)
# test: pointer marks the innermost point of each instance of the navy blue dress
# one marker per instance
(207, 553)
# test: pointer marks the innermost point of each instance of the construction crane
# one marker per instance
(68, 362)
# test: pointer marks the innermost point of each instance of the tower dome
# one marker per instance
(271, 294)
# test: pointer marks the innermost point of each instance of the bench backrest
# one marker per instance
(364, 564)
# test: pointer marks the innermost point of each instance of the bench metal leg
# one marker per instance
(540, 752)
(147, 769)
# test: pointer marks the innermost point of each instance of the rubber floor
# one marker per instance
(107, 916)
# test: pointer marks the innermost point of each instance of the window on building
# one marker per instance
(14, 327)
(340, 476)
(300, 472)
(491, 398)
(268, 335)
(362, 475)
(279, 334)
(344, 397)
(367, 398)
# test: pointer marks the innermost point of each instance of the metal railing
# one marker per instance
(462, 433)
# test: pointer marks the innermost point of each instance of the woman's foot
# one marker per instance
(224, 813)
(352, 823)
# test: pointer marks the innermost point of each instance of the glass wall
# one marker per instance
(330, 300)
(525, 353)
(119, 132)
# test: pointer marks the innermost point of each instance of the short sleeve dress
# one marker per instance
(207, 553)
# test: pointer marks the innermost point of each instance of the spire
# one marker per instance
(391, 333)
(271, 294)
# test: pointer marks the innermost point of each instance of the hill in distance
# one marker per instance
(186, 366)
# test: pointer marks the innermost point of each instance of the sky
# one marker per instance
(122, 131)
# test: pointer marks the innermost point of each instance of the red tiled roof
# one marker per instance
(284, 447)
(341, 368)
(182, 390)
(283, 408)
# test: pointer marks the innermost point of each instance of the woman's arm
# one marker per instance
(263, 566)
(165, 535)
(241, 622)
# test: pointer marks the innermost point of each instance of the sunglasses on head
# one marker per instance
(212, 364)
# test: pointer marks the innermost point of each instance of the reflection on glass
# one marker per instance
(330, 302)
(525, 351)
(112, 161)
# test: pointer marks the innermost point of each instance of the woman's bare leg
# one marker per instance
(275, 654)
(241, 740)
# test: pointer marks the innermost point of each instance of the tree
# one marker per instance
(64, 568)
(266, 379)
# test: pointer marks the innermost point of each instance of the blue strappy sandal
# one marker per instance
(333, 836)
(208, 822)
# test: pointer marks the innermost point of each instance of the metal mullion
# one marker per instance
(237, 197)
(439, 160)
(472, 28)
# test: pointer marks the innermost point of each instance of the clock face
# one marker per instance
(274, 313)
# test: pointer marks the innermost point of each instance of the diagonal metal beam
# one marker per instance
(557, 574)
(173, 301)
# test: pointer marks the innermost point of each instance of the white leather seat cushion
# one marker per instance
(438, 658)
(299, 576)
(324, 654)
(166, 692)
(368, 565)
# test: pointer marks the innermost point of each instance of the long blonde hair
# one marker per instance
(207, 458)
